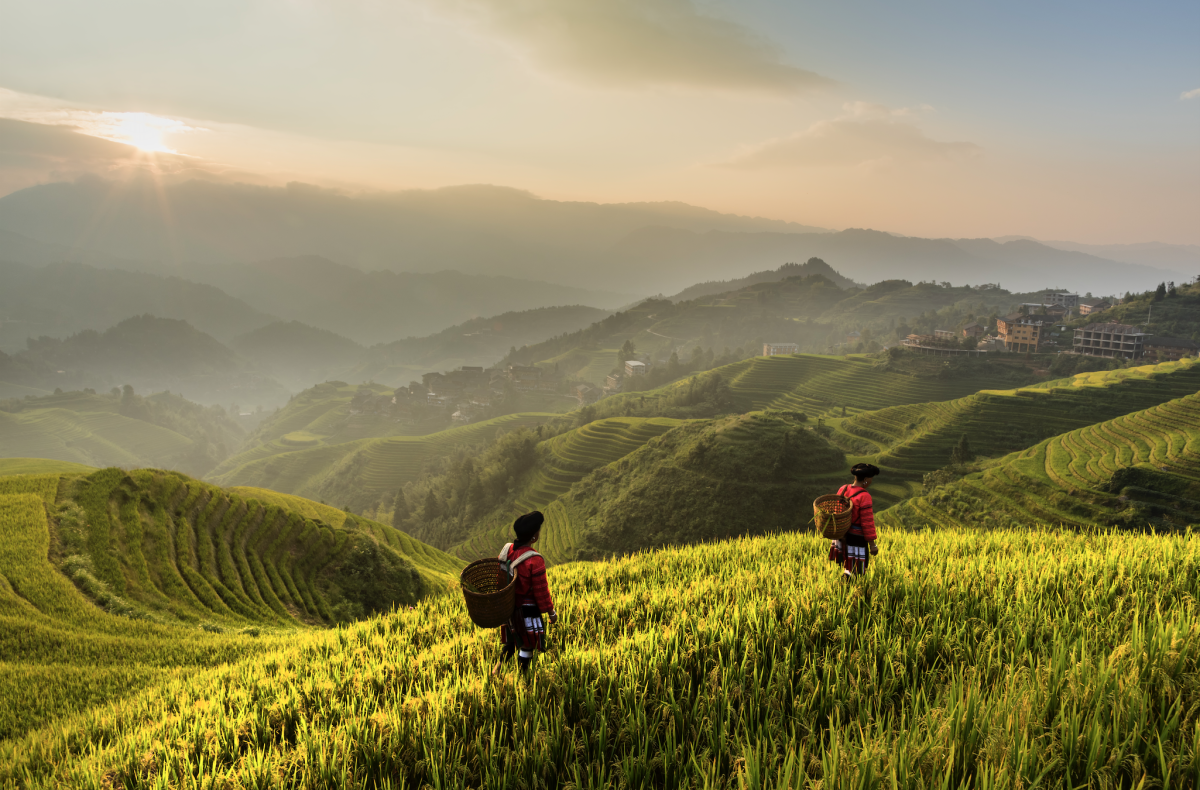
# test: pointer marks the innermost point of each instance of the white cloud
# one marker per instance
(139, 129)
(1192, 94)
(865, 134)
(635, 43)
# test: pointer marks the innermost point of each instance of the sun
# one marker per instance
(142, 130)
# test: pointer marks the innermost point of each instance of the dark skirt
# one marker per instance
(525, 630)
(851, 553)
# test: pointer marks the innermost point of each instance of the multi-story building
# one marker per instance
(635, 368)
(1089, 306)
(973, 330)
(943, 334)
(1110, 340)
(1019, 332)
(774, 349)
(1065, 299)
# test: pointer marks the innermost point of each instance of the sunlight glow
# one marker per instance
(139, 129)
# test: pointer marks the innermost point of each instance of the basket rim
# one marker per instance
(485, 596)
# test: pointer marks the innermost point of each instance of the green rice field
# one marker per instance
(963, 659)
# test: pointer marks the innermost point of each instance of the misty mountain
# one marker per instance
(383, 306)
(64, 298)
(1183, 258)
(636, 248)
(149, 353)
(297, 355)
(810, 267)
(479, 342)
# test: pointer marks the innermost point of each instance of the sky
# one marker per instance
(1060, 120)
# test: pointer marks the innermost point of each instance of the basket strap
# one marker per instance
(512, 566)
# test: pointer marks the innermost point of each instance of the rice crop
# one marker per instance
(1137, 470)
(963, 659)
(821, 385)
(90, 438)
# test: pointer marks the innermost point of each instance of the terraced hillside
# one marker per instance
(821, 385)
(562, 462)
(1139, 470)
(105, 576)
(359, 474)
(919, 437)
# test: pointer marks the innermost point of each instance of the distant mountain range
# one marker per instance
(632, 249)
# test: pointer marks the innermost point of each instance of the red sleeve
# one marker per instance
(866, 515)
(537, 580)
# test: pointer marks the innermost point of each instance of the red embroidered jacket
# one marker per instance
(863, 518)
(532, 589)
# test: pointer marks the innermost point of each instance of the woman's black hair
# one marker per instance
(527, 527)
(863, 471)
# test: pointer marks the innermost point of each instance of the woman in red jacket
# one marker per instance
(526, 631)
(852, 550)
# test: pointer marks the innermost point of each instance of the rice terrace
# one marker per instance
(599, 395)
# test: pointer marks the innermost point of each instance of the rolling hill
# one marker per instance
(149, 353)
(62, 299)
(808, 310)
(1140, 470)
(124, 429)
(919, 437)
(112, 580)
(359, 474)
(298, 355)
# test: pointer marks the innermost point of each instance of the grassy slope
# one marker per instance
(966, 659)
(919, 437)
(562, 462)
(105, 576)
(91, 438)
(1138, 469)
(360, 473)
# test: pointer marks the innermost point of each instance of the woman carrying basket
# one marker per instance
(526, 631)
(851, 551)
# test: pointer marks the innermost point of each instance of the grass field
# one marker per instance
(965, 659)
(360, 473)
(1138, 469)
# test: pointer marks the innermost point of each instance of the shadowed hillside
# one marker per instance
(64, 298)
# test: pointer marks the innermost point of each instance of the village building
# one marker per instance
(1020, 333)
(635, 368)
(853, 338)
(1063, 299)
(943, 335)
(525, 377)
(1110, 340)
(1169, 349)
(586, 393)
(1089, 306)
(973, 330)
(775, 349)
(613, 383)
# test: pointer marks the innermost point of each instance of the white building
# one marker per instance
(774, 349)
(635, 368)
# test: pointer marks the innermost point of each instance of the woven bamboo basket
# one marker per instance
(832, 514)
(489, 592)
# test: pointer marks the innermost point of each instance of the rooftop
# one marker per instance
(1112, 329)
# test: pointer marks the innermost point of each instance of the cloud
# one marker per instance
(865, 134)
(1192, 94)
(139, 129)
(638, 43)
